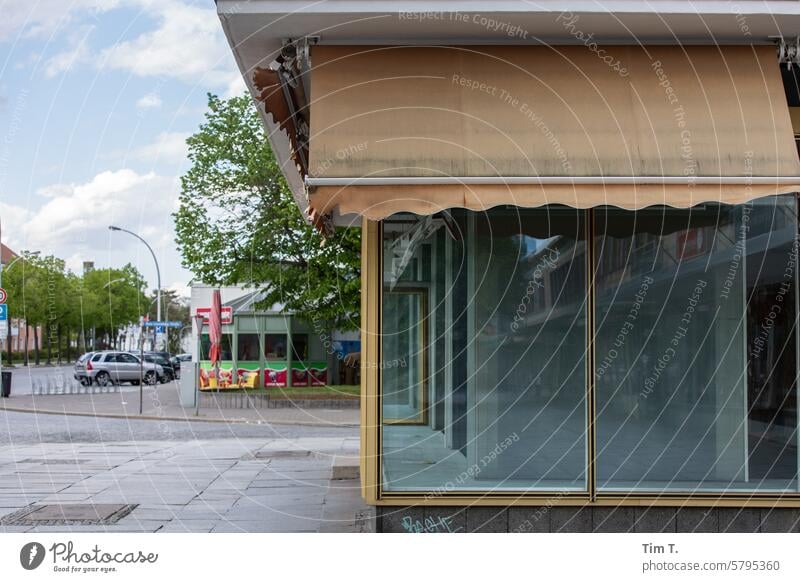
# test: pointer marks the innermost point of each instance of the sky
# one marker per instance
(97, 98)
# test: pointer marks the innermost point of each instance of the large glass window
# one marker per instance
(496, 399)
(488, 319)
(299, 347)
(226, 351)
(247, 347)
(275, 346)
(696, 362)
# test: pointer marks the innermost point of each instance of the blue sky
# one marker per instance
(96, 100)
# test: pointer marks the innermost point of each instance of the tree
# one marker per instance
(237, 223)
(111, 299)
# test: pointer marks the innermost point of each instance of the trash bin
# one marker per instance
(6, 384)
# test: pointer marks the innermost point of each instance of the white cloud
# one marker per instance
(149, 101)
(43, 18)
(187, 44)
(168, 147)
(77, 52)
(181, 288)
(73, 223)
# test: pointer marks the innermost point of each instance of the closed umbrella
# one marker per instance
(215, 332)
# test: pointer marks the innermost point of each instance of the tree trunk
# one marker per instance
(48, 339)
(36, 354)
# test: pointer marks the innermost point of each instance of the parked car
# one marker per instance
(108, 367)
(80, 369)
(170, 373)
(176, 365)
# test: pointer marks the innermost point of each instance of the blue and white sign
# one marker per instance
(160, 325)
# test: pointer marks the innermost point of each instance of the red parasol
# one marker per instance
(215, 327)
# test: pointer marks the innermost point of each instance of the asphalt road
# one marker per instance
(25, 428)
(22, 378)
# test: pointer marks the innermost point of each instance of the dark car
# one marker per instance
(170, 373)
(162, 359)
(176, 365)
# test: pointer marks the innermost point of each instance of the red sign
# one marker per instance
(227, 314)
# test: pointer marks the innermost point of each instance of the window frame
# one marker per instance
(372, 414)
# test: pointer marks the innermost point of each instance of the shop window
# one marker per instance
(487, 328)
(299, 347)
(504, 405)
(275, 346)
(226, 351)
(247, 347)
(696, 354)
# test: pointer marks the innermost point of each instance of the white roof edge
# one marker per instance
(775, 7)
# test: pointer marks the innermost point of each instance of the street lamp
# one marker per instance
(158, 271)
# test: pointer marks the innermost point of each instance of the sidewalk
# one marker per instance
(161, 403)
(230, 485)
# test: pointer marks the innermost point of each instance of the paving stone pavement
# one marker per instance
(223, 485)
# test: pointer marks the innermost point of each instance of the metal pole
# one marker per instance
(197, 367)
(141, 367)
(197, 388)
(158, 276)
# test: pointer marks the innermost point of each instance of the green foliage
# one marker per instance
(45, 294)
(238, 224)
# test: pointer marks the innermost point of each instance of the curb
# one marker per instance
(183, 419)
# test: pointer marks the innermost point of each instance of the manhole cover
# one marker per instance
(69, 514)
(278, 455)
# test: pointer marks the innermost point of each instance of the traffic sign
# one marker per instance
(3, 295)
(3, 312)
(160, 325)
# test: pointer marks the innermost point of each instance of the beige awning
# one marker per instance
(421, 129)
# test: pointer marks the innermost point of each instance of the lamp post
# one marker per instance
(158, 273)
(199, 319)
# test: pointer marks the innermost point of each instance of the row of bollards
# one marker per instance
(62, 384)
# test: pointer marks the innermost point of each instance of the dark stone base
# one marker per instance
(586, 519)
